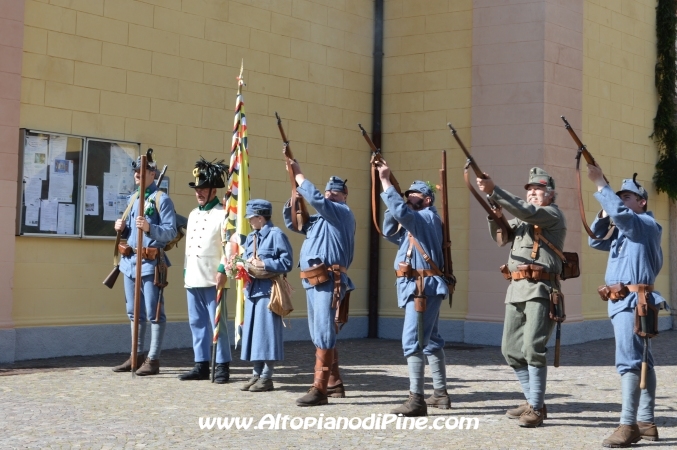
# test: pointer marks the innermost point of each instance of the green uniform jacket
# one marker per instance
(553, 227)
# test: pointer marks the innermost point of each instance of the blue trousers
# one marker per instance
(201, 313)
(321, 315)
(629, 346)
(431, 335)
(149, 299)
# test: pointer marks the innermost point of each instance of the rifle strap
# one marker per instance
(538, 236)
(118, 237)
(581, 209)
(426, 257)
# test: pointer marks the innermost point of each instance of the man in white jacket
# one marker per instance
(204, 271)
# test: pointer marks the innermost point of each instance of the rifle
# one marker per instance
(112, 277)
(504, 234)
(446, 239)
(298, 205)
(375, 158)
(139, 263)
(583, 151)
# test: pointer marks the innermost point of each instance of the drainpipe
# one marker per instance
(374, 237)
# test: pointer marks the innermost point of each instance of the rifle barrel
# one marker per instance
(471, 160)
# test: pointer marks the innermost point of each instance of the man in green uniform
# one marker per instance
(534, 270)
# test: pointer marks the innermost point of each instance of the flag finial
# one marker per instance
(240, 80)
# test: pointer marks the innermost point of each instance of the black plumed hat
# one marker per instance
(209, 174)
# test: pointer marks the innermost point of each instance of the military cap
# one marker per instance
(258, 207)
(631, 185)
(422, 188)
(209, 174)
(336, 184)
(150, 162)
(540, 177)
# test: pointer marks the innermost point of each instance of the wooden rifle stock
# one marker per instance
(298, 205)
(582, 150)
(139, 263)
(375, 158)
(449, 277)
(504, 234)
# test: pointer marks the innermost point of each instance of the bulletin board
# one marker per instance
(73, 186)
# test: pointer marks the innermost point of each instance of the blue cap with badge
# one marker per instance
(258, 207)
(422, 188)
(337, 184)
(631, 185)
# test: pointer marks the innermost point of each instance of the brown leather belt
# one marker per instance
(320, 274)
(310, 273)
(150, 253)
(414, 273)
(541, 276)
(619, 291)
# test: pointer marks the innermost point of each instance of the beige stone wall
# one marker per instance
(619, 105)
(427, 83)
(162, 73)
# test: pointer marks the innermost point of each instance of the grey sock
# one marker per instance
(523, 377)
(416, 372)
(141, 338)
(630, 392)
(157, 332)
(537, 379)
(647, 398)
(268, 368)
(438, 369)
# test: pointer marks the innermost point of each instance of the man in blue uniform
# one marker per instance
(158, 223)
(268, 254)
(325, 257)
(416, 228)
(635, 258)
(204, 272)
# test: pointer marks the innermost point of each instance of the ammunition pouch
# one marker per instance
(557, 311)
(125, 250)
(505, 272)
(531, 272)
(614, 292)
(149, 253)
(316, 275)
(404, 269)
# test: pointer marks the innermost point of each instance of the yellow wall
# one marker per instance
(162, 72)
(427, 83)
(619, 105)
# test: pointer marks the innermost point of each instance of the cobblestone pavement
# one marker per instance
(78, 402)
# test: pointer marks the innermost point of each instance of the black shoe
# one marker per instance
(199, 372)
(222, 373)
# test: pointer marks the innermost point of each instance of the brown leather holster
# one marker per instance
(646, 315)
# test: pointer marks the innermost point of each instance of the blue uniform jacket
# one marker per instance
(635, 255)
(330, 234)
(426, 227)
(162, 231)
(274, 249)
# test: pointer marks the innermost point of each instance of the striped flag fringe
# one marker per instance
(237, 227)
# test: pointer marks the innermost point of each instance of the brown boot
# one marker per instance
(648, 431)
(127, 365)
(414, 407)
(317, 394)
(515, 413)
(439, 399)
(532, 418)
(624, 436)
(335, 386)
(149, 367)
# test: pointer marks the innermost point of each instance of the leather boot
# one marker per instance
(532, 418)
(439, 399)
(199, 372)
(262, 385)
(317, 394)
(414, 407)
(335, 386)
(624, 436)
(127, 365)
(252, 381)
(149, 367)
(515, 413)
(648, 431)
(222, 373)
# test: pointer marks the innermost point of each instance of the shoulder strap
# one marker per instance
(538, 236)
(425, 256)
(116, 254)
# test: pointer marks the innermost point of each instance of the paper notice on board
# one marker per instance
(32, 215)
(35, 157)
(57, 148)
(61, 181)
(91, 200)
(48, 213)
(32, 192)
(66, 219)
